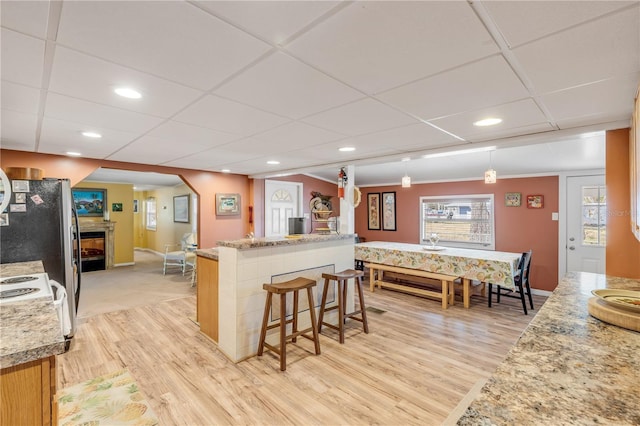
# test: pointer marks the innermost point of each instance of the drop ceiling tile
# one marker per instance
(408, 138)
(285, 86)
(328, 153)
(273, 21)
(150, 150)
(170, 39)
(180, 133)
(296, 135)
(481, 84)
(225, 115)
(18, 130)
(604, 101)
(22, 58)
(91, 114)
(523, 21)
(515, 115)
(375, 46)
(58, 137)
(364, 116)
(16, 97)
(29, 17)
(213, 159)
(594, 51)
(85, 77)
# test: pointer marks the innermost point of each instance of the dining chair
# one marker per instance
(184, 258)
(521, 282)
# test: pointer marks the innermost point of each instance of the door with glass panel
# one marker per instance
(586, 223)
(282, 201)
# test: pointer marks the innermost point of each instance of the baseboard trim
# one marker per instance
(541, 292)
(117, 265)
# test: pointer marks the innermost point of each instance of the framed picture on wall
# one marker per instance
(512, 199)
(89, 201)
(227, 204)
(535, 201)
(135, 206)
(388, 211)
(181, 208)
(373, 210)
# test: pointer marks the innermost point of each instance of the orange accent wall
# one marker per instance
(206, 184)
(623, 249)
(518, 229)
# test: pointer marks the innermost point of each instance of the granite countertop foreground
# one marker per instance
(29, 329)
(211, 253)
(247, 243)
(567, 368)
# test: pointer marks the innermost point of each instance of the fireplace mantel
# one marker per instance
(108, 228)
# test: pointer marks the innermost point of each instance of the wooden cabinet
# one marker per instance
(28, 395)
(207, 295)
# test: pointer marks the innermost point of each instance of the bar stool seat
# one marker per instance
(342, 279)
(283, 288)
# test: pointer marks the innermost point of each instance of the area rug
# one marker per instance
(113, 399)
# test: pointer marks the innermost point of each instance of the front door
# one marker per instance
(282, 200)
(586, 223)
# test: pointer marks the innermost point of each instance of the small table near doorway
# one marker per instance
(482, 265)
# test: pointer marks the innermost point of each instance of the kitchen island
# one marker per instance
(567, 367)
(244, 265)
(30, 338)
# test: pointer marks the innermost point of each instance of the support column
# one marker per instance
(347, 211)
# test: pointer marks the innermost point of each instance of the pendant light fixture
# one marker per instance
(490, 174)
(406, 180)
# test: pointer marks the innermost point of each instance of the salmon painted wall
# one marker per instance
(518, 229)
(309, 184)
(623, 249)
(206, 184)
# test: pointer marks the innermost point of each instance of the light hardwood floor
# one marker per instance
(414, 367)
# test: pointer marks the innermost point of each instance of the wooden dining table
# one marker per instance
(486, 266)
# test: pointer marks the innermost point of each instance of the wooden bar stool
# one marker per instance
(294, 285)
(342, 278)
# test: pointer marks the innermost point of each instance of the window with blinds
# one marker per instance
(459, 220)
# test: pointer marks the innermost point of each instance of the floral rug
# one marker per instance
(113, 399)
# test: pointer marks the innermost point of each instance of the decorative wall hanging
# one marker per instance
(181, 208)
(535, 201)
(389, 211)
(512, 199)
(373, 210)
(227, 204)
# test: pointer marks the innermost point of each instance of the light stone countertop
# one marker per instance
(211, 253)
(247, 243)
(567, 368)
(29, 329)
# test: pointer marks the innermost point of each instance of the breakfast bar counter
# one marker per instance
(567, 368)
(246, 264)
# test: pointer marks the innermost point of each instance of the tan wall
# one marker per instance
(623, 249)
(123, 233)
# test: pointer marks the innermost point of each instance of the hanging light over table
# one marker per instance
(490, 174)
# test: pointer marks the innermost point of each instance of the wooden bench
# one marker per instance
(446, 281)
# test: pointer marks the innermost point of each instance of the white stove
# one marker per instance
(24, 287)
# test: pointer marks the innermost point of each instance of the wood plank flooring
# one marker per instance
(414, 367)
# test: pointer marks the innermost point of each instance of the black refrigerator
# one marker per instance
(40, 223)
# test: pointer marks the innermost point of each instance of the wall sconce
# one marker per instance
(406, 181)
(490, 174)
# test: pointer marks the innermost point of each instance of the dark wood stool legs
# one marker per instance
(293, 286)
(342, 279)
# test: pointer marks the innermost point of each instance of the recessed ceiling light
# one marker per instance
(488, 122)
(127, 92)
(346, 149)
(406, 159)
(225, 171)
(74, 154)
(92, 135)
(273, 162)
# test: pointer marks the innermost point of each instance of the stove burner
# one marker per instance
(18, 280)
(17, 292)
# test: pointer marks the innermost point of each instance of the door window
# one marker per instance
(594, 215)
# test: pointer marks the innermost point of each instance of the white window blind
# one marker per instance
(459, 220)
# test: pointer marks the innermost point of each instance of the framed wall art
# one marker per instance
(89, 201)
(135, 206)
(227, 204)
(388, 211)
(535, 201)
(373, 210)
(181, 208)
(512, 199)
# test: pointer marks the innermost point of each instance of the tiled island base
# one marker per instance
(245, 265)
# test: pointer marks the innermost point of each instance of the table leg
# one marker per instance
(466, 284)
